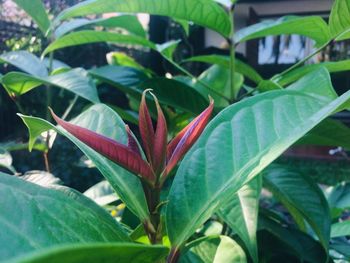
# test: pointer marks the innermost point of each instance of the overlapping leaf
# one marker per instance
(239, 143)
(202, 12)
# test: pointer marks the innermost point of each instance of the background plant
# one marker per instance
(210, 208)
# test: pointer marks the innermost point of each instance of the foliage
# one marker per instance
(209, 194)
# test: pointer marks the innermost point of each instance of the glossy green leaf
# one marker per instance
(25, 61)
(213, 249)
(341, 229)
(75, 81)
(224, 61)
(102, 193)
(33, 218)
(302, 197)
(176, 94)
(103, 120)
(339, 21)
(202, 12)
(328, 133)
(36, 9)
(332, 67)
(241, 214)
(91, 36)
(128, 22)
(313, 27)
(238, 144)
(97, 253)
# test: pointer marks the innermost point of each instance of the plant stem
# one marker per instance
(70, 107)
(186, 72)
(232, 52)
(301, 62)
(154, 227)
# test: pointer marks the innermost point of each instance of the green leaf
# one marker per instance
(97, 253)
(328, 133)
(105, 121)
(36, 9)
(339, 21)
(224, 61)
(341, 229)
(167, 49)
(275, 238)
(6, 160)
(35, 218)
(241, 214)
(91, 36)
(238, 144)
(202, 12)
(25, 61)
(102, 193)
(313, 27)
(128, 22)
(339, 197)
(298, 73)
(213, 249)
(176, 94)
(121, 59)
(302, 197)
(75, 81)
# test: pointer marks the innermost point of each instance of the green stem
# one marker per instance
(232, 52)
(186, 72)
(70, 107)
(301, 62)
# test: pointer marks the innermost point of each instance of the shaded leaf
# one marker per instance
(36, 10)
(341, 229)
(75, 81)
(313, 27)
(241, 214)
(58, 213)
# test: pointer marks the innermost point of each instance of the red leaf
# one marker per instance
(132, 143)
(186, 138)
(160, 141)
(113, 150)
(146, 128)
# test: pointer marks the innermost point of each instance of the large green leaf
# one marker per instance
(238, 144)
(328, 133)
(213, 249)
(75, 81)
(25, 61)
(127, 22)
(97, 253)
(202, 12)
(339, 20)
(294, 75)
(313, 27)
(302, 197)
(91, 36)
(33, 218)
(241, 214)
(36, 9)
(105, 121)
(224, 61)
(341, 229)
